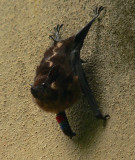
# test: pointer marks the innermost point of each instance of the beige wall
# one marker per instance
(27, 133)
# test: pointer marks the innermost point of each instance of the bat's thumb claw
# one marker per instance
(100, 116)
(106, 117)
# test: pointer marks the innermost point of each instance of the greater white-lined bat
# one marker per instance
(60, 77)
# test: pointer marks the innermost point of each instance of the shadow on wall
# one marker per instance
(121, 44)
(84, 124)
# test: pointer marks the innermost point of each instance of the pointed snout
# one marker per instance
(34, 91)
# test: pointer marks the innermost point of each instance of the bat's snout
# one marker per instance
(37, 91)
(34, 92)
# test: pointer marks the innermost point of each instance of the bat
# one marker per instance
(60, 77)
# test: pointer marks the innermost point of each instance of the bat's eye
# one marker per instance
(43, 84)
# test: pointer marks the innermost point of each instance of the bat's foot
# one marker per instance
(56, 36)
(64, 124)
(98, 10)
(72, 135)
(58, 27)
(100, 116)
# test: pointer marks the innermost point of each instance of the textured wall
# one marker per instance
(27, 133)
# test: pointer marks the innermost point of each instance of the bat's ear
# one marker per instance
(53, 73)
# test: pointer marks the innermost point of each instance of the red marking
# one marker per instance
(59, 118)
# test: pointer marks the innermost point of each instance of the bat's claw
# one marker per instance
(56, 36)
(100, 116)
(71, 136)
(68, 132)
(106, 117)
(52, 37)
(82, 61)
(58, 27)
(98, 10)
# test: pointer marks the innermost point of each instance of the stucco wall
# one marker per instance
(28, 133)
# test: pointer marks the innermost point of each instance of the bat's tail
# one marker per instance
(64, 124)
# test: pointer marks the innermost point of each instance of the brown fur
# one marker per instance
(65, 90)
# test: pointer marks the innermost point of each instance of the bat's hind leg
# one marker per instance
(56, 36)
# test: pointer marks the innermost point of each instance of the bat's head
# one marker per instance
(42, 88)
(42, 91)
(56, 91)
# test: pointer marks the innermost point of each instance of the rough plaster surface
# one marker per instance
(28, 133)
